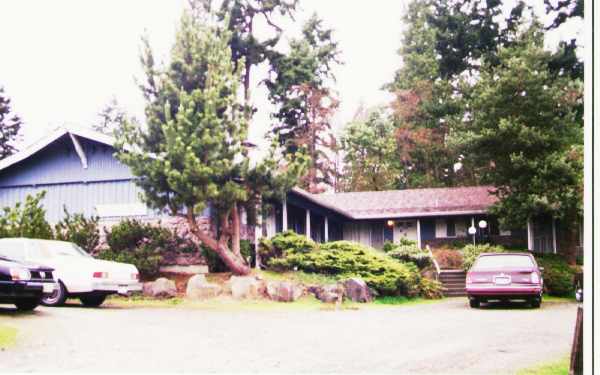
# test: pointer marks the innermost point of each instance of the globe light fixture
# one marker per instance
(472, 231)
(390, 223)
(482, 224)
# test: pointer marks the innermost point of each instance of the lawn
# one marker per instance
(560, 367)
(8, 336)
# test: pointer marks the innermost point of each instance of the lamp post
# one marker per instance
(482, 224)
(472, 231)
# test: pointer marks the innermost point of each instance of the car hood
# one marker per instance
(29, 265)
(85, 264)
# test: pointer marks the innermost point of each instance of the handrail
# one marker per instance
(435, 263)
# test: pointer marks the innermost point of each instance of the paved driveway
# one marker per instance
(445, 337)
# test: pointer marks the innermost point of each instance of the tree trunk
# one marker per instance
(235, 262)
(572, 242)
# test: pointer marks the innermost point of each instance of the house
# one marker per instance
(78, 170)
(432, 216)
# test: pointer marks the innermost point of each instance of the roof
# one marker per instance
(407, 203)
(51, 137)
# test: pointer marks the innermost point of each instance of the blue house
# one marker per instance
(78, 171)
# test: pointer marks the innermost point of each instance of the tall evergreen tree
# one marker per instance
(10, 124)
(190, 154)
(110, 118)
(299, 87)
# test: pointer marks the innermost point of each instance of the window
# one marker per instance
(450, 228)
(503, 261)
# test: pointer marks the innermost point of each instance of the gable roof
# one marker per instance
(407, 203)
(51, 137)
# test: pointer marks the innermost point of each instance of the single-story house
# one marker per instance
(78, 170)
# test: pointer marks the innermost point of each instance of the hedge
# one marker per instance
(290, 251)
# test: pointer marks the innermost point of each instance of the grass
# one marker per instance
(8, 336)
(549, 368)
(553, 299)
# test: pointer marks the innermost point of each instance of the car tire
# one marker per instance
(57, 298)
(92, 301)
(27, 304)
(474, 303)
(536, 303)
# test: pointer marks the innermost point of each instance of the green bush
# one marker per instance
(558, 275)
(346, 259)
(431, 289)
(28, 220)
(78, 229)
(142, 244)
(448, 258)
(471, 252)
(410, 252)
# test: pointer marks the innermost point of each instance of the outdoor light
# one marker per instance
(482, 224)
(390, 223)
(472, 230)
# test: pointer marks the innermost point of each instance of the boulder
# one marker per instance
(160, 288)
(284, 291)
(357, 290)
(198, 288)
(328, 293)
(242, 287)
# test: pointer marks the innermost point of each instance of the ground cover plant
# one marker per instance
(386, 275)
(408, 251)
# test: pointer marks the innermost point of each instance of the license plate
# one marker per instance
(503, 280)
(48, 288)
(122, 290)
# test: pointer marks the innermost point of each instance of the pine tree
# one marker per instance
(190, 154)
(10, 124)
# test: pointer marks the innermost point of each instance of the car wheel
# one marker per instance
(27, 304)
(474, 303)
(536, 303)
(93, 301)
(57, 298)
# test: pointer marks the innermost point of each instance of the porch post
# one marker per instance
(529, 234)
(257, 235)
(326, 229)
(284, 214)
(554, 235)
(307, 223)
(419, 233)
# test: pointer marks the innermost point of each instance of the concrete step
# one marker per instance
(454, 285)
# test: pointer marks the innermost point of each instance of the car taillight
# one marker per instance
(135, 276)
(20, 274)
(535, 279)
(101, 275)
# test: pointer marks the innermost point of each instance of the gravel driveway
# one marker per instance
(445, 337)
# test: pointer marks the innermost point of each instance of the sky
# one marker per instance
(62, 61)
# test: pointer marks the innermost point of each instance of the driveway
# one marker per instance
(445, 337)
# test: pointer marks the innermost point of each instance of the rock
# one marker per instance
(245, 287)
(284, 291)
(357, 290)
(198, 288)
(328, 293)
(160, 288)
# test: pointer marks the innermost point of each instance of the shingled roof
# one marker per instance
(407, 203)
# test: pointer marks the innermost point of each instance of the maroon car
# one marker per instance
(504, 276)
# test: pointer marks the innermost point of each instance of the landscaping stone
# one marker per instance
(242, 287)
(284, 291)
(328, 293)
(199, 288)
(357, 290)
(160, 288)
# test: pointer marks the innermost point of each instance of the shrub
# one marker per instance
(346, 259)
(448, 259)
(28, 220)
(411, 253)
(78, 229)
(558, 275)
(142, 244)
(431, 289)
(471, 252)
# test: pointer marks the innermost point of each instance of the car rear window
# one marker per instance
(501, 261)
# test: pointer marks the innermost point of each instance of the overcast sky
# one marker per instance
(61, 61)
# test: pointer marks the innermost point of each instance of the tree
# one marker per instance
(370, 161)
(9, 127)
(298, 86)
(26, 220)
(111, 118)
(523, 132)
(190, 154)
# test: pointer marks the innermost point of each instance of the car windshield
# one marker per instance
(503, 261)
(48, 249)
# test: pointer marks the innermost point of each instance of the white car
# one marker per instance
(78, 274)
